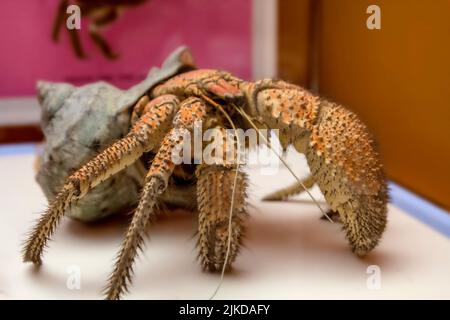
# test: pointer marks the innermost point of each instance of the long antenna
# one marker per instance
(242, 112)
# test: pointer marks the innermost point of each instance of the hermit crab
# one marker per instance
(339, 150)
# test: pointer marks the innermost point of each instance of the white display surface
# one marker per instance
(289, 253)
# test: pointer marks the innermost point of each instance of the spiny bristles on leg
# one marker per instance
(215, 190)
(346, 166)
(113, 159)
(47, 223)
(134, 239)
(266, 141)
(290, 191)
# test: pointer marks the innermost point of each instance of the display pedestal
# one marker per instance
(289, 252)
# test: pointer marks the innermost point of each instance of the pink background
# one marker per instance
(218, 33)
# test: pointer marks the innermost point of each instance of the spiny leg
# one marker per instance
(291, 190)
(107, 16)
(214, 194)
(76, 43)
(145, 212)
(201, 82)
(191, 110)
(102, 44)
(144, 135)
(347, 169)
(139, 108)
(339, 150)
(338, 147)
(297, 188)
(59, 19)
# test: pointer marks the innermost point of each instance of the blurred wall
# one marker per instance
(396, 78)
(294, 36)
(218, 33)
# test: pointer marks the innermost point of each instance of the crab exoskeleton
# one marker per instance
(338, 148)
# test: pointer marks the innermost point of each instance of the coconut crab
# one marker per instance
(339, 150)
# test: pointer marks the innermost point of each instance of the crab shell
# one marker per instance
(78, 122)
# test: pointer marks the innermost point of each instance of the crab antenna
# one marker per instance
(247, 117)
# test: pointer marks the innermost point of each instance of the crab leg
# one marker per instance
(59, 19)
(198, 82)
(191, 110)
(144, 136)
(214, 193)
(290, 191)
(339, 150)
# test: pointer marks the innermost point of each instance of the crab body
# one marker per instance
(337, 146)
